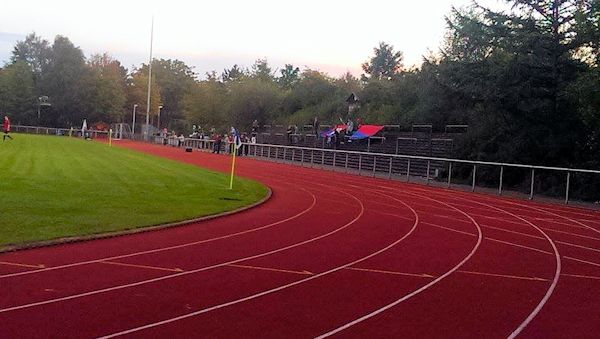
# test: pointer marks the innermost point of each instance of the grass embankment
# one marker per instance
(53, 187)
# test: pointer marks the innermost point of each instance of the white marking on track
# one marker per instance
(423, 288)
(143, 282)
(254, 296)
(162, 249)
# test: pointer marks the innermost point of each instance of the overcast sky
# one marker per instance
(329, 35)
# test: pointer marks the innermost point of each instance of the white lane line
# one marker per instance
(423, 288)
(503, 276)
(417, 275)
(449, 229)
(162, 249)
(578, 246)
(569, 233)
(270, 269)
(542, 238)
(142, 266)
(580, 225)
(258, 295)
(20, 265)
(581, 276)
(558, 222)
(501, 241)
(517, 245)
(513, 232)
(425, 275)
(582, 261)
(550, 290)
(143, 282)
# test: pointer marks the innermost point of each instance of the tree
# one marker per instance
(35, 51)
(262, 71)
(206, 104)
(513, 71)
(289, 76)
(587, 26)
(17, 93)
(137, 93)
(105, 87)
(385, 64)
(175, 79)
(235, 73)
(252, 99)
(62, 82)
(315, 94)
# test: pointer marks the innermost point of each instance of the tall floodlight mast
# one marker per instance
(146, 132)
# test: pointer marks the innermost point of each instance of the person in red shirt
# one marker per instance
(6, 128)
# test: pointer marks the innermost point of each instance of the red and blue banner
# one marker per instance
(366, 131)
(330, 132)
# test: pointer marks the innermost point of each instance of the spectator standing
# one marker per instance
(289, 131)
(316, 126)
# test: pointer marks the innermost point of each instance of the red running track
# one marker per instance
(328, 255)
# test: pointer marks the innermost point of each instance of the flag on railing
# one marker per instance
(236, 138)
(237, 142)
(330, 132)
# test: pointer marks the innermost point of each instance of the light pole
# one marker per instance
(158, 124)
(147, 129)
(133, 123)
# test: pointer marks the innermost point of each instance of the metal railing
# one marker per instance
(56, 131)
(410, 168)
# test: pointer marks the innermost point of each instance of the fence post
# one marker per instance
(474, 176)
(397, 146)
(567, 189)
(532, 182)
(312, 158)
(322, 159)
(449, 174)
(334, 154)
(369, 144)
(428, 167)
(501, 180)
(408, 171)
(284, 151)
(374, 165)
(293, 155)
(346, 165)
(359, 163)
(390, 172)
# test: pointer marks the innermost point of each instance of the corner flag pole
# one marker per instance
(110, 137)
(233, 166)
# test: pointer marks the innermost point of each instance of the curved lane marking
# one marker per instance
(162, 249)
(270, 291)
(423, 288)
(143, 282)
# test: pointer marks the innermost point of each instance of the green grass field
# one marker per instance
(53, 187)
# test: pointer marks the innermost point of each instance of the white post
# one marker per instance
(133, 122)
(149, 82)
(158, 124)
